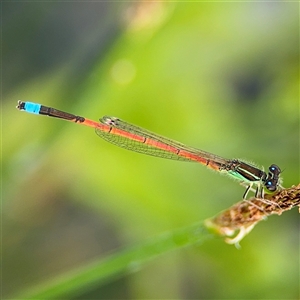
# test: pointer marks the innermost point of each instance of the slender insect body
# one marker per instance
(140, 140)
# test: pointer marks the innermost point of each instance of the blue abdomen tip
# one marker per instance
(33, 108)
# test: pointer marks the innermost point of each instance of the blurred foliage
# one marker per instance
(223, 77)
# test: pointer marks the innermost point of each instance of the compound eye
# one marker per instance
(270, 186)
(274, 169)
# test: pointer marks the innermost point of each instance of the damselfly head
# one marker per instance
(273, 180)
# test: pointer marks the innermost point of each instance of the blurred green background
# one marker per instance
(223, 77)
